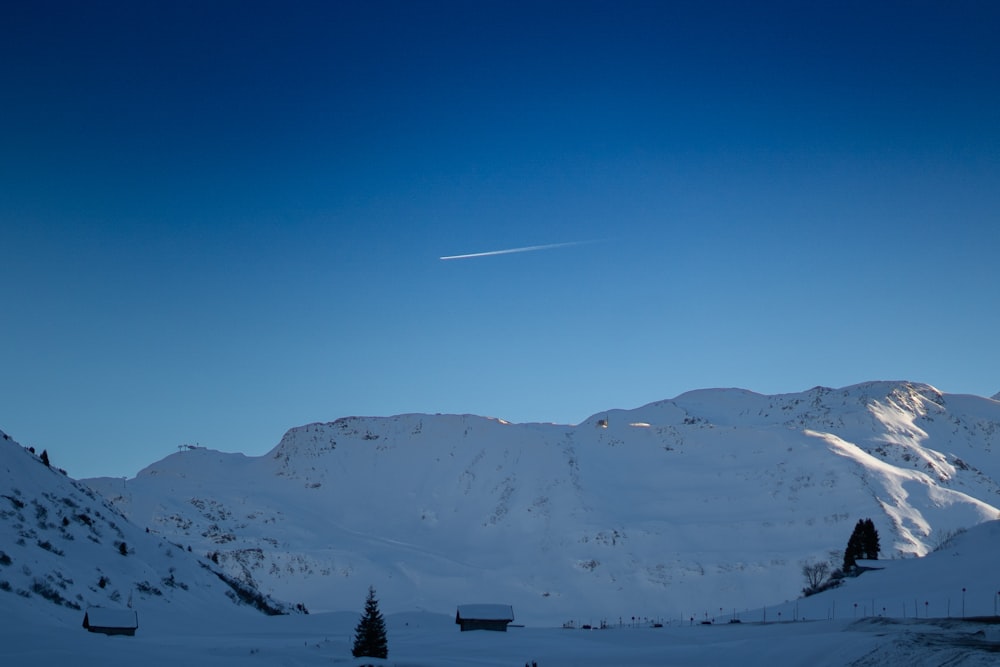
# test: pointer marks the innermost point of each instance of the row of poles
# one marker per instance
(864, 610)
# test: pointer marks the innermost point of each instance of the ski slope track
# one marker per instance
(705, 504)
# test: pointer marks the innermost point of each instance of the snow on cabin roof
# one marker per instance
(871, 564)
(102, 617)
(486, 612)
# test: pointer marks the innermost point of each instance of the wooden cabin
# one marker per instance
(484, 617)
(111, 621)
(866, 565)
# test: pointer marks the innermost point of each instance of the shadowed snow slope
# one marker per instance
(711, 500)
(63, 548)
(957, 580)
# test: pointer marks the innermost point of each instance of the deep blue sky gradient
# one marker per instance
(219, 220)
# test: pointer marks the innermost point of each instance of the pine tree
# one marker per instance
(855, 546)
(871, 544)
(45, 457)
(369, 636)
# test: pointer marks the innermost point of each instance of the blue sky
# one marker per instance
(221, 220)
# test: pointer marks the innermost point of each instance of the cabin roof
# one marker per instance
(486, 612)
(867, 564)
(103, 617)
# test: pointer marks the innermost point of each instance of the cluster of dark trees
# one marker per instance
(863, 544)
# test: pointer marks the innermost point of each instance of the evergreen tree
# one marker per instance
(863, 543)
(854, 549)
(45, 457)
(871, 545)
(369, 636)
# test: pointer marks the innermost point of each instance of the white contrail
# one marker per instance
(509, 251)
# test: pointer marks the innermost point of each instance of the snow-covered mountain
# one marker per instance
(64, 548)
(711, 500)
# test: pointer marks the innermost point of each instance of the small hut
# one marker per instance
(866, 565)
(484, 616)
(111, 621)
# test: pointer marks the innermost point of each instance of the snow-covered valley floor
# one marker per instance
(432, 640)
